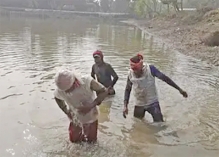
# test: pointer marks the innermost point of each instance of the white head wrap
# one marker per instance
(64, 79)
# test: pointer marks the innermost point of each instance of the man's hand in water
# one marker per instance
(185, 95)
(125, 111)
(110, 90)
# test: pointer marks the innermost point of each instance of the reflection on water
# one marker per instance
(33, 125)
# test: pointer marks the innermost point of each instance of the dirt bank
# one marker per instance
(194, 34)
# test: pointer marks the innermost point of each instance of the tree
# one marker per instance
(105, 5)
(146, 8)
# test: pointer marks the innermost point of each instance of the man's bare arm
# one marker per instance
(93, 72)
(114, 74)
(62, 105)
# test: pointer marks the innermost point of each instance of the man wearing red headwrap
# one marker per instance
(141, 78)
(104, 72)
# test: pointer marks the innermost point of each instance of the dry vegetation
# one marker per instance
(195, 33)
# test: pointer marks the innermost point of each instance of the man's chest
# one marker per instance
(101, 71)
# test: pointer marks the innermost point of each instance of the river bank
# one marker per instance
(188, 33)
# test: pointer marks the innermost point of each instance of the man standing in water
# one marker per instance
(104, 72)
(142, 77)
(78, 93)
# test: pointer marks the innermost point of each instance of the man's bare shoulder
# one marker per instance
(108, 64)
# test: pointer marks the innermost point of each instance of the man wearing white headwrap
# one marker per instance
(78, 93)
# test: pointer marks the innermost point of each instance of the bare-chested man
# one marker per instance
(104, 72)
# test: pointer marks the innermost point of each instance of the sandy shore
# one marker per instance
(184, 33)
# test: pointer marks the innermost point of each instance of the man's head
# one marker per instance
(136, 64)
(98, 57)
(65, 80)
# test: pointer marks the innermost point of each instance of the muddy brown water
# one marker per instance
(32, 125)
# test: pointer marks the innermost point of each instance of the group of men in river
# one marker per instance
(79, 96)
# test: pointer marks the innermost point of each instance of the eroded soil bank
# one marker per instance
(195, 33)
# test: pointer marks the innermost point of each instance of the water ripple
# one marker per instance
(11, 95)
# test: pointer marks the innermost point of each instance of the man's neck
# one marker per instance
(100, 64)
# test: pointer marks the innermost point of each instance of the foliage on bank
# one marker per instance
(151, 8)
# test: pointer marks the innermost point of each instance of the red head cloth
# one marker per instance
(98, 53)
(136, 63)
